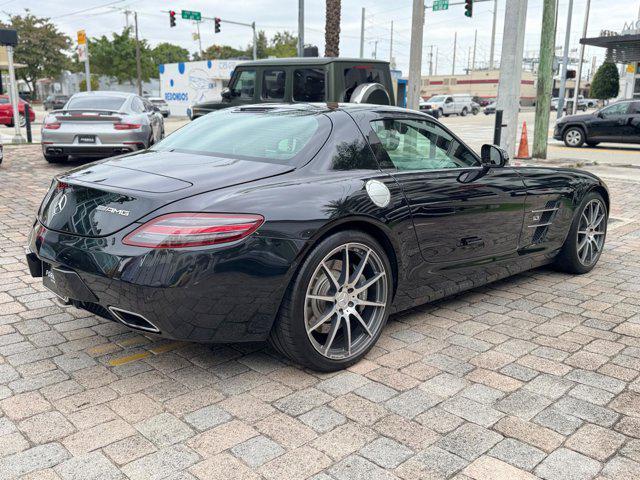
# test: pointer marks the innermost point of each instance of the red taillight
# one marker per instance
(126, 126)
(179, 230)
(51, 126)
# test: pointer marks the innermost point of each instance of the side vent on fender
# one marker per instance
(542, 218)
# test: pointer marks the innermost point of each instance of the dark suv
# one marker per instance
(618, 123)
(307, 80)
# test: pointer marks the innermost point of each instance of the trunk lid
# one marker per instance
(104, 197)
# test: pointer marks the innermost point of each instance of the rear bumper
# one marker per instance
(209, 294)
(98, 150)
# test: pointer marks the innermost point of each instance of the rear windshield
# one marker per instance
(276, 136)
(101, 103)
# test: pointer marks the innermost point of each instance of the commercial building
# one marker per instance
(185, 83)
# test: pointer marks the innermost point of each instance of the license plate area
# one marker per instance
(86, 139)
(65, 284)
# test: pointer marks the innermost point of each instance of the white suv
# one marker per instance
(446, 105)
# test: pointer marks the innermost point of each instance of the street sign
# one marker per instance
(440, 5)
(191, 15)
(81, 50)
(82, 37)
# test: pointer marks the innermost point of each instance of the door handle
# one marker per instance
(471, 242)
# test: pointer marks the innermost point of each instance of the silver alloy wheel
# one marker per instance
(573, 137)
(345, 301)
(591, 232)
(22, 120)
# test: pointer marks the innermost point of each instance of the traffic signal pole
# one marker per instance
(415, 56)
(545, 79)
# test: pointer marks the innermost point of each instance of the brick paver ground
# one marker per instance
(534, 376)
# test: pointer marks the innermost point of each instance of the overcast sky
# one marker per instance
(100, 17)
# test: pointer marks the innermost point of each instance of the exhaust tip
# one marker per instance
(133, 320)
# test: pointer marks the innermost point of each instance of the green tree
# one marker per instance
(169, 53)
(283, 44)
(220, 52)
(606, 82)
(41, 47)
(332, 29)
(116, 57)
(95, 85)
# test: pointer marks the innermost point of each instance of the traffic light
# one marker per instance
(468, 8)
(217, 22)
(172, 18)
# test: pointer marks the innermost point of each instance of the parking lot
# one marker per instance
(533, 376)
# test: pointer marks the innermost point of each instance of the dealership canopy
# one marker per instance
(620, 48)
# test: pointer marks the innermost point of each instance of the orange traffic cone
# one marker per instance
(523, 148)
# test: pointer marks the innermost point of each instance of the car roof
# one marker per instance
(308, 61)
(104, 93)
(322, 107)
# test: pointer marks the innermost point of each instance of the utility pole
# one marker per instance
(362, 35)
(545, 79)
(435, 66)
(430, 60)
(475, 43)
(199, 39)
(576, 89)
(375, 49)
(565, 62)
(138, 67)
(255, 41)
(415, 56)
(493, 35)
(391, 44)
(455, 47)
(469, 60)
(511, 71)
(301, 29)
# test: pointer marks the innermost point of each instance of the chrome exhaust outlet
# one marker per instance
(133, 320)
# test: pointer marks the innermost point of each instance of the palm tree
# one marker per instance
(332, 29)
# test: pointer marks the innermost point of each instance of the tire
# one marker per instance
(576, 256)
(22, 120)
(464, 112)
(440, 113)
(593, 144)
(573, 137)
(475, 111)
(446, 114)
(55, 158)
(323, 346)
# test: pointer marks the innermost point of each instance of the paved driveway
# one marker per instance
(531, 376)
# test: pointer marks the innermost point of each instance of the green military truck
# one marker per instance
(306, 80)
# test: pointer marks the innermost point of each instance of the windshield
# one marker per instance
(158, 101)
(437, 99)
(274, 136)
(96, 102)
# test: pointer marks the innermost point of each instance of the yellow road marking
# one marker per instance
(167, 347)
(130, 358)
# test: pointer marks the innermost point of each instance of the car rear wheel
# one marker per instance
(573, 137)
(55, 158)
(585, 242)
(464, 112)
(22, 120)
(337, 304)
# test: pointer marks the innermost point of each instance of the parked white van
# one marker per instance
(460, 104)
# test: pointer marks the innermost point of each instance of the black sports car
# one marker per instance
(306, 225)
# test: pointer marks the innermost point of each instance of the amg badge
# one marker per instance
(104, 208)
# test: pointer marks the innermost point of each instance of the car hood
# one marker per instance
(101, 198)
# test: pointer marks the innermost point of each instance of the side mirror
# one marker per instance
(493, 156)
(226, 93)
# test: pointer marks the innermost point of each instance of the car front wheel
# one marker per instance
(574, 137)
(337, 305)
(585, 242)
(464, 112)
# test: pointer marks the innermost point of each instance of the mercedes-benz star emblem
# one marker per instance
(60, 204)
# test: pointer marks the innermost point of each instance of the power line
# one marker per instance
(88, 9)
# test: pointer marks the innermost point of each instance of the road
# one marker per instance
(475, 130)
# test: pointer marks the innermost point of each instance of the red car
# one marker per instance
(6, 112)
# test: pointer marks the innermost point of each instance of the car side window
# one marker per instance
(615, 109)
(137, 105)
(309, 85)
(413, 144)
(635, 108)
(273, 82)
(244, 86)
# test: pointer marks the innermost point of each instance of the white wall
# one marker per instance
(183, 84)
